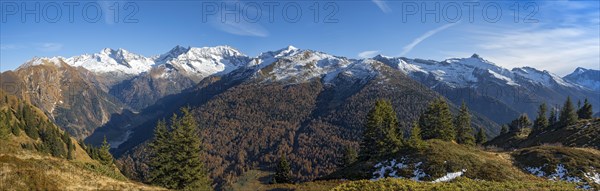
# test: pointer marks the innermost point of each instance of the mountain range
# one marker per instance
(125, 80)
(304, 103)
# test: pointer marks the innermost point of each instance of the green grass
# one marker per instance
(439, 158)
(257, 180)
(458, 184)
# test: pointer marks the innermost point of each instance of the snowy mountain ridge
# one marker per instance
(302, 64)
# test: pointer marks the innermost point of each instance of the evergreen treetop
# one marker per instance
(436, 121)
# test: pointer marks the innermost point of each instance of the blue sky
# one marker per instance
(557, 35)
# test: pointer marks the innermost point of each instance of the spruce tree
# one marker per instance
(350, 156)
(481, 136)
(568, 116)
(585, 112)
(462, 122)
(104, 155)
(179, 148)
(4, 127)
(436, 122)
(541, 122)
(504, 129)
(415, 141)
(381, 135)
(520, 123)
(283, 174)
(160, 160)
(70, 147)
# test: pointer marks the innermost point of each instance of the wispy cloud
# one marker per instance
(368, 53)
(565, 38)
(558, 50)
(421, 38)
(240, 26)
(382, 5)
(49, 47)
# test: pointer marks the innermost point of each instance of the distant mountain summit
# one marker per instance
(585, 77)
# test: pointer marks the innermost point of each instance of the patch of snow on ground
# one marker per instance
(388, 166)
(560, 173)
(537, 171)
(593, 176)
(450, 176)
(418, 172)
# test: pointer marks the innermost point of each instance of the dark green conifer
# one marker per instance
(568, 116)
(381, 135)
(481, 136)
(585, 112)
(283, 173)
(436, 122)
(462, 122)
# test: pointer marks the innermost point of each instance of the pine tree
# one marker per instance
(381, 135)
(350, 156)
(462, 122)
(481, 136)
(520, 123)
(436, 122)
(4, 126)
(283, 174)
(568, 116)
(104, 155)
(541, 122)
(552, 120)
(415, 141)
(504, 129)
(160, 160)
(180, 148)
(70, 147)
(585, 112)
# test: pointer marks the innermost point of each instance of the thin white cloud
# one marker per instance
(241, 26)
(565, 38)
(368, 53)
(421, 38)
(49, 47)
(382, 5)
(559, 50)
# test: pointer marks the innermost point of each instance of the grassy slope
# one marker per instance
(22, 169)
(485, 170)
(586, 133)
(257, 180)
(458, 184)
(441, 157)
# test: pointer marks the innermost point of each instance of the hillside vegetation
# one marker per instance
(36, 155)
(458, 184)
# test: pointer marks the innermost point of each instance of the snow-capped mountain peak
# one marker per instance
(587, 78)
(544, 78)
(57, 60)
(113, 61)
(205, 61)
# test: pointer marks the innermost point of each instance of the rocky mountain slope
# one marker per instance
(74, 98)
